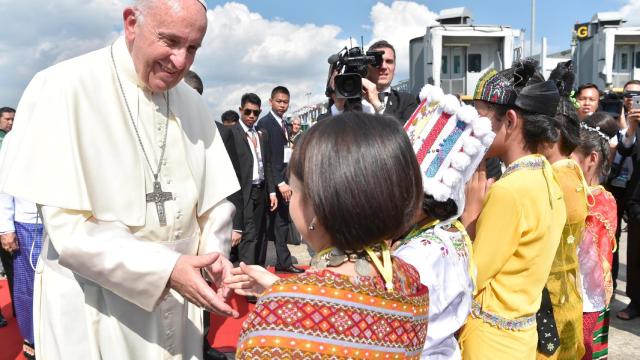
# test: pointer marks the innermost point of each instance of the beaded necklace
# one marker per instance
(334, 257)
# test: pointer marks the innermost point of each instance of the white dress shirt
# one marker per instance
(16, 209)
(258, 166)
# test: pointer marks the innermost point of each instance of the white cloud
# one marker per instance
(242, 51)
(631, 12)
(42, 33)
(399, 23)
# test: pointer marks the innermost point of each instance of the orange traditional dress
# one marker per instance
(322, 314)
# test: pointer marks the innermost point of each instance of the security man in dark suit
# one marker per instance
(274, 125)
(378, 91)
(256, 184)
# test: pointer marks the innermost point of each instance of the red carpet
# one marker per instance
(10, 340)
(224, 331)
(223, 334)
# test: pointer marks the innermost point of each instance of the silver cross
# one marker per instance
(159, 197)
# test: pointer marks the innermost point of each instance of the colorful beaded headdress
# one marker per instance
(449, 140)
(495, 88)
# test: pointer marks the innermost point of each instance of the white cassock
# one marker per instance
(100, 289)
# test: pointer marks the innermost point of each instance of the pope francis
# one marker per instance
(131, 177)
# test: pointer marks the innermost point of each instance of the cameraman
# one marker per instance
(378, 91)
(626, 177)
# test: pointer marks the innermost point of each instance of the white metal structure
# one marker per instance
(610, 55)
(454, 54)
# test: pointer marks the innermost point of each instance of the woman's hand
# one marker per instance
(250, 280)
(475, 194)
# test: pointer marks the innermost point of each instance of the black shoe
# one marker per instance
(213, 354)
(291, 269)
(3, 321)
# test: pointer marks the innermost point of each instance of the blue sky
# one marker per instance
(555, 18)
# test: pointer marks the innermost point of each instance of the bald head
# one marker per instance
(174, 5)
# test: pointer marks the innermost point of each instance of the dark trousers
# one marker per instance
(206, 324)
(633, 261)
(278, 231)
(253, 247)
(621, 203)
(7, 264)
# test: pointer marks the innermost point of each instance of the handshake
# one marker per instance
(245, 280)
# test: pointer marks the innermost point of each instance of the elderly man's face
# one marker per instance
(6, 121)
(295, 126)
(163, 43)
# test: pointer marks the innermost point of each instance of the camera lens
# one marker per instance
(348, 85)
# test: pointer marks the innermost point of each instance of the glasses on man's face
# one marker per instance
(630, 94)
(248, 112)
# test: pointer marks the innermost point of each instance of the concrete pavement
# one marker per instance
(624, 336)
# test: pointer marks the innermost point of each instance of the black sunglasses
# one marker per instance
(248, 112)
(630, 94)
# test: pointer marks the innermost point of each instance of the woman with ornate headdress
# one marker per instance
(355, 183)
(563, 284)
(450, 141)
(595, 252)
(518, 221)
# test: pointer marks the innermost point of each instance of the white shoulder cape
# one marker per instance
(73, 145)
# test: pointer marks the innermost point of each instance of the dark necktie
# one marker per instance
(382, 96)
(284, 130)
(252, 136)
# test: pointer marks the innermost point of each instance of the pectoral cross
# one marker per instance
(159, 197)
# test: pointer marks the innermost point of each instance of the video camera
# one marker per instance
(350, 66)
(612, 103)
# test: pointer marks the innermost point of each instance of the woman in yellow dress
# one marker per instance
(564, 280)
(521, 218)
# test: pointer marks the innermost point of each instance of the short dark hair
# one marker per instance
(230, 115)
(440, 210)
(631, 82)
(568, 124)
(368, 160)
(192, 79)
(6, 109)
(498, 109)
(279, 90)
(382, 44)
(537, 129)
(592, 141)
(251, 98)
(587, 86)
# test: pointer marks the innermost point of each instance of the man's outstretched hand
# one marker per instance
(188, 281)
(219, 271)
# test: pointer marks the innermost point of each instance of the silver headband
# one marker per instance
(595, 130)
